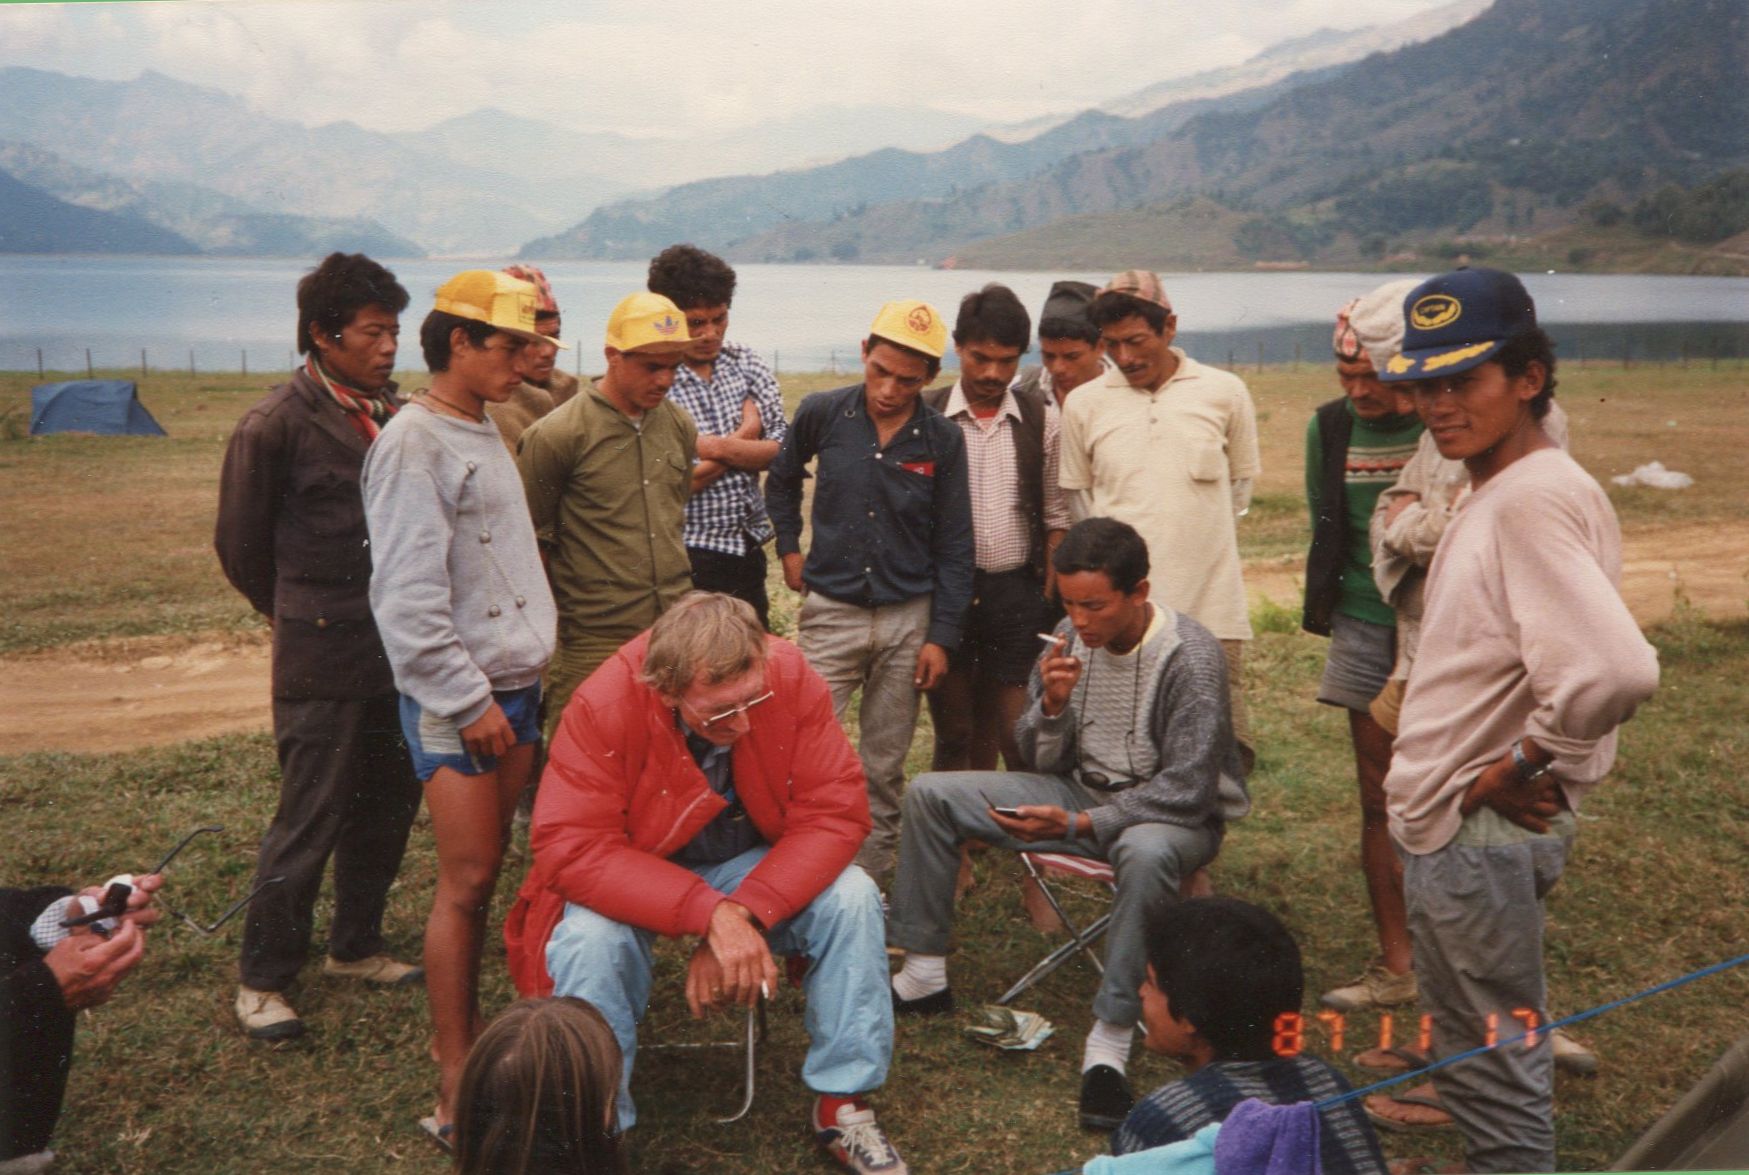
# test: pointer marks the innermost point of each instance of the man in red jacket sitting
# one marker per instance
(699, 784)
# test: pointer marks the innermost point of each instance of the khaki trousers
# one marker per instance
(874, 649)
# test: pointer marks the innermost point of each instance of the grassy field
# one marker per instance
(110, 538)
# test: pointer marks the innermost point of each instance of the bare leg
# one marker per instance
(1378, 861)
(470, 818)
(951, 711)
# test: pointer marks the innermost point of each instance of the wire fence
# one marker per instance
(1683, 345)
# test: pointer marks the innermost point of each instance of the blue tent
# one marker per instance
(110, 407)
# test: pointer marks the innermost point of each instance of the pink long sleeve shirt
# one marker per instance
(1525, 633)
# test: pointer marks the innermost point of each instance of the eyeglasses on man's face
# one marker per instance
(733, 712)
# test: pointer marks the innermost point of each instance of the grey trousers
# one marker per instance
(1476, 921)
(946, 808)
(346, 789)
(875, 649)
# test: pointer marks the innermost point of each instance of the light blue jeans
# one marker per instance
(849, 1009)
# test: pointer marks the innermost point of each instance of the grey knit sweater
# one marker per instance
(456, 584)
(1183, 748)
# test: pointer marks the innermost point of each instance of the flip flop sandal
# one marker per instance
(443, 1137)
(1422, 1095)
(1397, 1059)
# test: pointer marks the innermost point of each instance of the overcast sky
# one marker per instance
(665, 67)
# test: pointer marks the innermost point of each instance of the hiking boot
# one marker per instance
(856, 1140)
(1377, 987)
(382, 970)
(264, 1015)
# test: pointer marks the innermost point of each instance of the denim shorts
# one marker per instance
(1359, 662)
(436, 742)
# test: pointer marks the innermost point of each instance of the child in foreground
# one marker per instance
(536, 1096)
(1219, 973)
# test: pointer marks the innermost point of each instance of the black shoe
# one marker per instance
(1105, 1098)
(936, 1003)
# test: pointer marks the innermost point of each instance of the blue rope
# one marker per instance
(1575, 1018)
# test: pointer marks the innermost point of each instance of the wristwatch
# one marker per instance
(1528, 772)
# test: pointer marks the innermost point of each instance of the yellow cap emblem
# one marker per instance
(1434, 311)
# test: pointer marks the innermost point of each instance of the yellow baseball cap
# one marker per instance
(647, 322)
(486, 295)
(912, 324)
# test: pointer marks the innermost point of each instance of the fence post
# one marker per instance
(1231, 366)
(1627, 353)
(1259, 354)
(245, 362)
(39, 363)
(89, 374)
(774, 354)
(191, 361)
(142, 363)
(1296, 355)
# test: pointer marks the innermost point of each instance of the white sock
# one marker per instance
(1107, 1044)
(920, 976)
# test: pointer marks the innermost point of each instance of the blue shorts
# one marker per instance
(435, 742)
(1358, 663)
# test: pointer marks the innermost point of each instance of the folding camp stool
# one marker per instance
(795, 967)
(1065, 865)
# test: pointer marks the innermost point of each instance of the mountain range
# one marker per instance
(202, 220)
(206, 165)
(717, 212)
(1462, 129)
(1504, 125)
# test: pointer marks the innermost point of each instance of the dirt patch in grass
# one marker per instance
(118, 695)
(1702, 565)
(140, 692)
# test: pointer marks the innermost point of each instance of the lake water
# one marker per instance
(803, 317)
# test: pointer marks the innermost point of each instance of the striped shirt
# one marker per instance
(1000, 530)
(731, 510)
(1178, 1109)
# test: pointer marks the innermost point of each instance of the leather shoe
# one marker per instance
(1106, 1098)
(936, 1003)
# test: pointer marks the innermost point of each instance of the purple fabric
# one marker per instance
(1261, 1139)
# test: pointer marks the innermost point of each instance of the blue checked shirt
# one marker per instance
(729, 511)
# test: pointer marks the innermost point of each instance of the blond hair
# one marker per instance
(704, 636)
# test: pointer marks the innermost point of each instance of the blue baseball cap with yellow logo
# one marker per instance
(1458, 320)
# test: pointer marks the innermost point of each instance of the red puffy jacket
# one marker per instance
(621, 794)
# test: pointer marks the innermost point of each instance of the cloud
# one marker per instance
(677, 68)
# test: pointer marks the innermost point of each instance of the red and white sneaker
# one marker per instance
(855, 1139)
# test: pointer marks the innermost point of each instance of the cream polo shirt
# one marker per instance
(1164, 462)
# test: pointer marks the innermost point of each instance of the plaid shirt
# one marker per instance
(1000, 530)
(729, 511)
